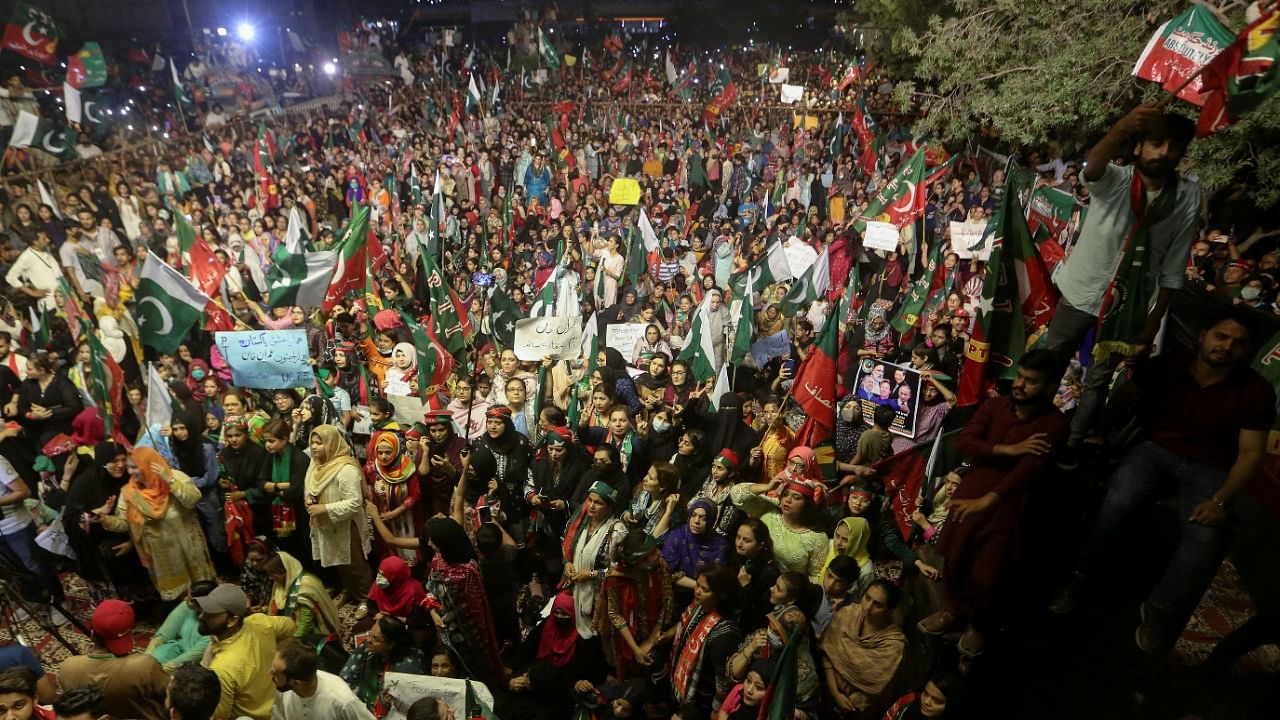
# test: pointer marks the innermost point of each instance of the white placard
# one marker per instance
(966, 240)
(623, 336)
(405, 689)
(880, 236)
(800, 255)
(790, 93)
(559, 338)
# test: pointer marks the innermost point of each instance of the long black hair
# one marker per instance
(450, 540)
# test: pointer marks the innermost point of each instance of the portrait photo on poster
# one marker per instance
(898, 386)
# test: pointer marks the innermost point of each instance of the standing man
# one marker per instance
(1206, 416)
(1011, 441)
(304, 692)
(1132, 253)
(241, 651)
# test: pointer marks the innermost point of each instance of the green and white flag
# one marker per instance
(815, 283)
(771, 269)
(32, 131)
(300, 279)
(473, 94)
(548, 52)
(168, 305)
(699, 352)
(745, 330)
(296, 237)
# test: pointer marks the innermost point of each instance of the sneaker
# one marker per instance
(1065, 601)
(938, 623)
(1153, 635)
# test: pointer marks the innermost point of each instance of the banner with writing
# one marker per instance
(559, 338)
(966, 240)
(623, 336)
(267, 359)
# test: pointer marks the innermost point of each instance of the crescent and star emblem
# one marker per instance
(165, 318)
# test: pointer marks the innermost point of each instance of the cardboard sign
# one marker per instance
(559, 338)
(623, 336)
(966, 240)
(880, 236)
(404, 689)
(267, 359)
(897, 386)
(768, 348)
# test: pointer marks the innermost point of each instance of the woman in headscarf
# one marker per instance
(463, 619)
(295, 593)
(403, 373)
(637, 603)
(802, 466)
(852, 537)
(704, 638)
(614, 375)
(395, 591)
(199, 460)
(504, 455)
(245, 468)
(394, 488)
(728, 429)
(776, 441)
(862, 648)
(724, 475)
(103, 559)
(349, 374)
(552, 479)
(590, 542)
(878, 340)
(553, 656)
(693, 546)
(157, 508)
(335, 503)
(314, 411)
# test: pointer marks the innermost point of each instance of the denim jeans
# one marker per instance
(1066, 331)
(20, 549)
(1201, 548)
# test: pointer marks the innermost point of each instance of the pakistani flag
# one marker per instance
(159, 404)
(185, 103)
(300, 279)
(745, 329)
(771, 269)
(548, 52)
(32, 131)
(814, 284)
(700, 350)
(102, 380)
(168, 305)
(503, 314)
(473, 94)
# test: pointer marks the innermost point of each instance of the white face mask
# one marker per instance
(661, 426)
(847, 413)
(1250, 293)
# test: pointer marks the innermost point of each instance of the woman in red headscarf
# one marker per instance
(790, 505)
(394, 590)
(393, 485)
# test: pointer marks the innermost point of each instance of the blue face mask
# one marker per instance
(197, 374)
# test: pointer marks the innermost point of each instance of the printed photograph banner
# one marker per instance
(897, 386)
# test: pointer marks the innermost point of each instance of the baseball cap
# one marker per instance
(225, 599)
(112, 621)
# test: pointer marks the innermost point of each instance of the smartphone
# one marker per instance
(790, 367)
(486, 513)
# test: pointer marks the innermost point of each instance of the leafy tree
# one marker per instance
(1038, 72)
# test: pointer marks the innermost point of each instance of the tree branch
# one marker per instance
(1002, 73)
(1255, 237)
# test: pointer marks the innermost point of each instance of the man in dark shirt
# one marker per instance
(1207, 417)
(1010, 442)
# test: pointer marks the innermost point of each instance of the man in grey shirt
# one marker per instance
(1118, 220)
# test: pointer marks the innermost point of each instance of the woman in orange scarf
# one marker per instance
(393, 484)
(157, 508)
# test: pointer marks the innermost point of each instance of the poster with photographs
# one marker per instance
(897, 386)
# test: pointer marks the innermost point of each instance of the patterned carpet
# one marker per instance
(1224, 607)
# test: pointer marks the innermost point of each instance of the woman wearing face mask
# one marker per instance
(663, 436)
(767, 642)
(554, 655)
(395, 591)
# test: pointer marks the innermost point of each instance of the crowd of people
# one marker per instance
(613, 533)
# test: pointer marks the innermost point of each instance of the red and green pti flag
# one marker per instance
(1243, 75)
(1180, 48)
(905, 473)
(32, 33)
(434, 362)
(106, 385)
(449, 317)
(353, 248)
(815, 388)
(902, 198)
(1017, 300)
(87, 68)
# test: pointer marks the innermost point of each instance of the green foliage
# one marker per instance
(1040, 72)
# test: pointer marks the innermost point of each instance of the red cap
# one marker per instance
(112, 622)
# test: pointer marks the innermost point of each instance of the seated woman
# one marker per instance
(298, 594)
(388, 648)
(178, 640)
(693, 547)
(744, 699)
(550, 659)
(861, 650)
(932, 701)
